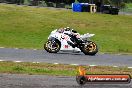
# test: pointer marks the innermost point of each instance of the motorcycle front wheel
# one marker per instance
(90, 48)
(52, 46)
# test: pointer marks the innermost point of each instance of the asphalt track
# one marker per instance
(28, 55)
(42, 81)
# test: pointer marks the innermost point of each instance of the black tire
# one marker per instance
(90, 48)
(81, 80)
(45, 46)
(52, 50)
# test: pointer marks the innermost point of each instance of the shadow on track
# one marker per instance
(68, 53)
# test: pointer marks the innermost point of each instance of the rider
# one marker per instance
(74, 37)
(73, 32)
(67, 29)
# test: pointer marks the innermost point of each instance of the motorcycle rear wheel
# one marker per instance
(52, 48)
(90, 48)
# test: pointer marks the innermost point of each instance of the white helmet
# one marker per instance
(67, 29)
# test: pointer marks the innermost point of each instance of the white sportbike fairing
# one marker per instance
(67, 41)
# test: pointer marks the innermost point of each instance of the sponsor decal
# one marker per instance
(66, 46)
(83, 78)
(109, 78)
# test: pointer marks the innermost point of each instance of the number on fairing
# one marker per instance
(65, 37)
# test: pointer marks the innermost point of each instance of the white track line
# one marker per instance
(56, 63)
(34, 49)
(74, 64)
(16, 48)
(92, 65)
(17, 61)
(115, 66)
(1, 60)
(2, 47)
(129, 67)
(35, 62)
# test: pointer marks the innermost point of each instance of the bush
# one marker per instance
(122, 5)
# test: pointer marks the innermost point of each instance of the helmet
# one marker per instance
(61, 30)
(67, 29)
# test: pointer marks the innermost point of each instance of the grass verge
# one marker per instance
(29, 27)
(58, 69)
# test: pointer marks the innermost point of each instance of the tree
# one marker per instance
(118, 3)
(61, 1)
(83, 1)
(69, 1)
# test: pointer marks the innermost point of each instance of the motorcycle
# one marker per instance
(68, 40)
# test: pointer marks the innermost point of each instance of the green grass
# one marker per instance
(37, 68)
(29, 27)
(58, 70)
(128, 8)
